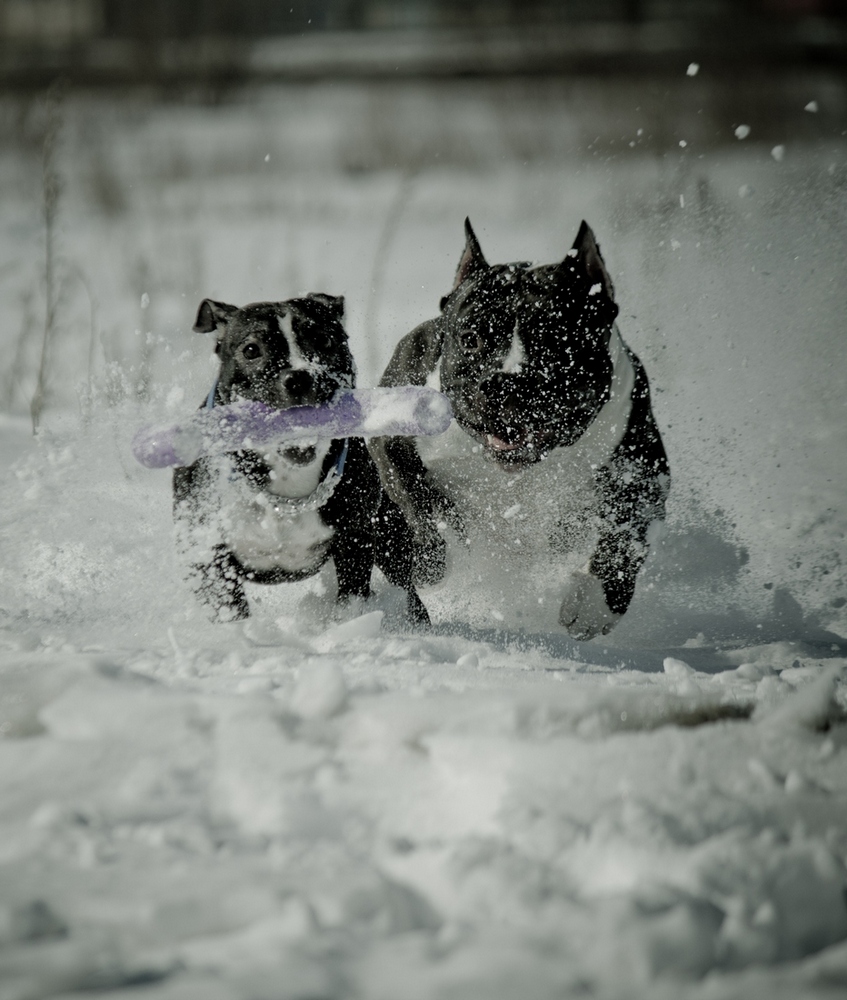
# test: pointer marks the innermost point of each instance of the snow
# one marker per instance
(325, 805)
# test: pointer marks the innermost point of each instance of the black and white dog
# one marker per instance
(556, 449)
(280, 514)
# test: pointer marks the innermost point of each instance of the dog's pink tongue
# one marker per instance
(498, 444)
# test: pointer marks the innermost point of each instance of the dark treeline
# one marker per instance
(52, 20)
(186, 18)
(104, 42)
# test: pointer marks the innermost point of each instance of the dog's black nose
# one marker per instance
(300, 387)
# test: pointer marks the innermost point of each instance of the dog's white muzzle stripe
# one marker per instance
(297, 361)
(513, 362)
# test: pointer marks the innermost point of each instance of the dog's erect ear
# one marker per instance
(334, 303)
(212, 316)
(472, 261)
(589, 258)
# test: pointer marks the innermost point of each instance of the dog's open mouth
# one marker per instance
(510, 445)
(517, 448)
(497, 444)
(520, 447)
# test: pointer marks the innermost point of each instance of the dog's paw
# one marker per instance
(584, 611)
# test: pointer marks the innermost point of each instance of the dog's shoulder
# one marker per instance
(416, 356)
(358, 464)
(358, 493)
(641, 440)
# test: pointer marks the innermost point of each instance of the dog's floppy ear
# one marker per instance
(212, 316)
(472, 260)
(334, 303)
(589, 258)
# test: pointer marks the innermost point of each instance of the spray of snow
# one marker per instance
(318, 805)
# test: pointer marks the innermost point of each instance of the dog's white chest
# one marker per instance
(264, 539)
(525, 531)
(503, 501)
(265, 533)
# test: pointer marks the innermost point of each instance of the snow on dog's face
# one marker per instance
(525, 359)
(284, 354)
(292, 353)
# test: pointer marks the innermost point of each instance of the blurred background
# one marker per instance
(220, 42)
(153, 154)
(171, 149)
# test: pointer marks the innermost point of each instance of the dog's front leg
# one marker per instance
(353, 556)
(403, 474)
(631, 488)
(218, 584)
(394, 552)
(405, 480)
(631, 496)
(597, 596)
(218, 581)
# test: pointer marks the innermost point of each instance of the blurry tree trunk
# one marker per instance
(51, 194)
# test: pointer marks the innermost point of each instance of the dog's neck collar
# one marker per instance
(315, 500)
(298, 505)
(210, 399)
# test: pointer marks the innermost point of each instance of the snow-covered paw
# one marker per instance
(584, 611)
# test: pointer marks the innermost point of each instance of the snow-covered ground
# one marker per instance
(314, 808)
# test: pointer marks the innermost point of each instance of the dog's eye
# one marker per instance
(251, 352)
(470, 341)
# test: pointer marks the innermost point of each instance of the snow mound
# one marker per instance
(463, 828)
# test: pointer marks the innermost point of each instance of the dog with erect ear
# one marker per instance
(280, 513)
(554, 456)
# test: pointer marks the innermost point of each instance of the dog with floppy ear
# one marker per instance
(543, 389)
(280, 513)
